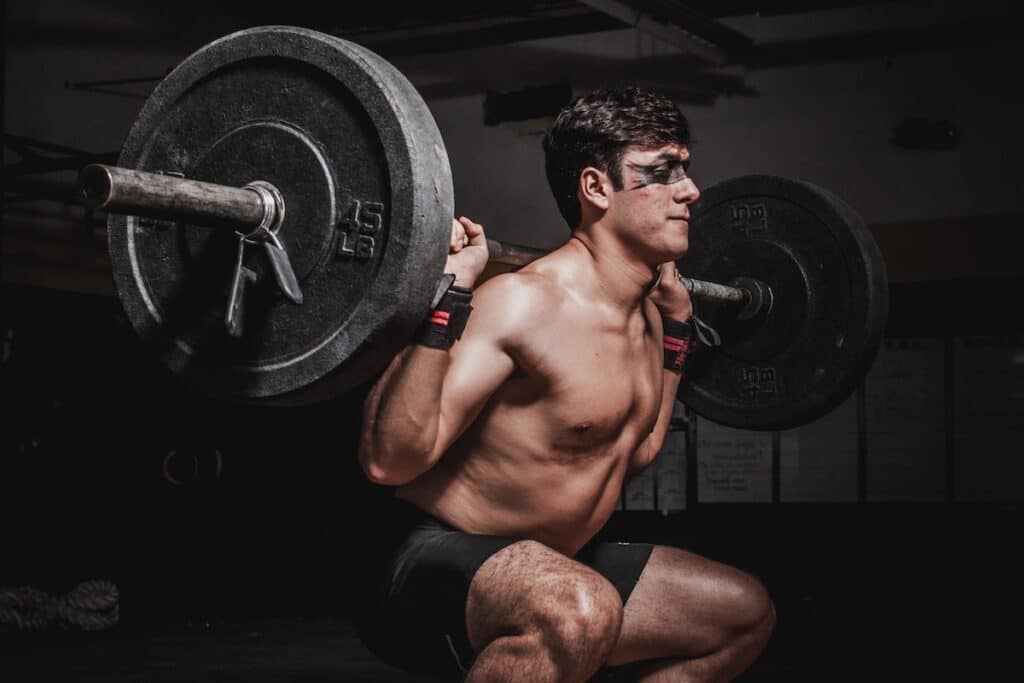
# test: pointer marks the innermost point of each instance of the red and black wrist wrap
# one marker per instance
(678, 340)
(444, 326)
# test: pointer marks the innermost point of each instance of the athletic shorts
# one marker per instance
(412, 611)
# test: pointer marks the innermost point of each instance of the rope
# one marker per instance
(92, 606)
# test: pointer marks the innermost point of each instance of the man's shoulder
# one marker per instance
(518, 298)
(525, 282)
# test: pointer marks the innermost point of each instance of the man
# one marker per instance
(509, 450)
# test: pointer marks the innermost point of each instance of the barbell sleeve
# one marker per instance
(156, 195)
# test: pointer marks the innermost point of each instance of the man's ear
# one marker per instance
(595, 187)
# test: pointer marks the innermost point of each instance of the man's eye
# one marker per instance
(664, 174)
(668, 174)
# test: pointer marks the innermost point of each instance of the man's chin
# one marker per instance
(665, 257)
(680, 250)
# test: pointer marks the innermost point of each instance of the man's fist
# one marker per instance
(467, 252)
(670, 296)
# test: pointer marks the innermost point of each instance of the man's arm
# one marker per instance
(651, 446)
(673, 302)
(428, 397)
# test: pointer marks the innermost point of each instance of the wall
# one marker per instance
(829, 124)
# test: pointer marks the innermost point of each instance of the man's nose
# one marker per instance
(687, 191)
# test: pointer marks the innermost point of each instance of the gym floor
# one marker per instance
(266, 651)
(891, 593)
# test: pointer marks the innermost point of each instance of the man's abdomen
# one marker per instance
(559, 504)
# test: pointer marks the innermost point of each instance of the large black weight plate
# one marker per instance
(804, 357)
(367, 187)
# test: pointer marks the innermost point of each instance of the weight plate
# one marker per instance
(801, 359)
(367, 188)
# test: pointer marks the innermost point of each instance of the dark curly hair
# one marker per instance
(595, 129)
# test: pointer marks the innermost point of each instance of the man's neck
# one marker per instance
(620, 278)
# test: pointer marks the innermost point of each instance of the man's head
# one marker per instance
(596, 129)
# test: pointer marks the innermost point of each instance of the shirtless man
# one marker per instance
(510, 449)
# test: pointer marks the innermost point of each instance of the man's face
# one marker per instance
(653, 206)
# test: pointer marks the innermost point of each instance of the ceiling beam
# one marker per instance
(677, 25)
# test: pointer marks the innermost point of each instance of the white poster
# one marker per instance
(733, 465)
(818, 461)
(988, 418)
(671, 473)
(905, 416)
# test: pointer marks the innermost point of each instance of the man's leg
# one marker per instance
(701, 620)
(535, 615)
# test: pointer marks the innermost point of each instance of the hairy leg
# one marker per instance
(700, 620)
(535, 615)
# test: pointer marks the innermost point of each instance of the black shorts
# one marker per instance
(412, 613)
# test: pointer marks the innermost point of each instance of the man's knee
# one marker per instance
(752, 609)
(577, 615)
(570, 611)
(743, 613)
(581, 619)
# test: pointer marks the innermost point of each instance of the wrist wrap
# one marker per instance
(446, 322)
(678, 340)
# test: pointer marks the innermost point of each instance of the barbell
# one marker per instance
(279, 218)
(257, 211)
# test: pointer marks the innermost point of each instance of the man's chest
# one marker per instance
(593, 385)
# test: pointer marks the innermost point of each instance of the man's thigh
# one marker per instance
(686, 606)
(528, 585)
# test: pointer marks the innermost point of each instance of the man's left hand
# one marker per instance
(670, 296)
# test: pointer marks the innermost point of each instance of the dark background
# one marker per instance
(879, 590)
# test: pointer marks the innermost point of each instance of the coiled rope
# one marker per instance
(92, 606)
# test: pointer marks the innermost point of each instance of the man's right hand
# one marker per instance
(467, 252)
